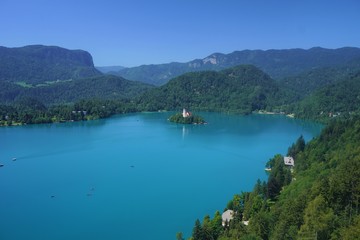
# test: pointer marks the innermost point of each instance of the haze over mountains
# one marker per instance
(277, 63)
(110, 69)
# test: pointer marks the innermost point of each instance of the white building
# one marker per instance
(186, 113)
(289, 161)
(227, 216)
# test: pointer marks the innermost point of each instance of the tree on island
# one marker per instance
(186, 118)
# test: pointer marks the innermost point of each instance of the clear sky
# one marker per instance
(135, 32)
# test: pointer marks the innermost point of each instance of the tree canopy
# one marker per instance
(319, 198)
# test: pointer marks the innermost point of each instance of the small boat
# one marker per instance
(14, 159)
(1, 165)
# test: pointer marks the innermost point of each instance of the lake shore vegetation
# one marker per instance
(318, 198)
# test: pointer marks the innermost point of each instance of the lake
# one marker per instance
(134, 176)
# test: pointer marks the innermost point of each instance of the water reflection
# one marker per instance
(185, 131)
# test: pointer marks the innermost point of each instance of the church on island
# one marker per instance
(186, 118)
(186, 113)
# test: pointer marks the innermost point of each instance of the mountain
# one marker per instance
(99, 87)
(242, 89)
(37, 64)
(315, 79)
(157, 74)
(277, 63)
(339, 99)
(110, 69)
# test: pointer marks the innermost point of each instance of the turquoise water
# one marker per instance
(132, 176)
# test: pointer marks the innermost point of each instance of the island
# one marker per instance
(186, 118)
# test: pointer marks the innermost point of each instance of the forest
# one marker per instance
(337, 100)
(318, 198)
(31, 111)
(241, 89)
(37, 64)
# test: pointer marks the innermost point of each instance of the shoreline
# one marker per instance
(89, 118)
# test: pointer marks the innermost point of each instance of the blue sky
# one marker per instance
(135, 32)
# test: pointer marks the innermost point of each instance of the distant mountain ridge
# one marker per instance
(35, 64)
(277, 63)
(109, 69)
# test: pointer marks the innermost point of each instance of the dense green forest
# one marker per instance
(338, 100)
(307, 82)
(317, 199)
(83, 99)
(240, 89)
(38, 64)
(100, 87)
(31, 111)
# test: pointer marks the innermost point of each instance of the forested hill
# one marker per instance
(241, 89)
(77, 100)
(100, 87)
(277, 63)
(37, 64)
(318, 199)
(315, 79)
(340, 99)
